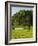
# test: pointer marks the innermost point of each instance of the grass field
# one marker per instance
(21, 33)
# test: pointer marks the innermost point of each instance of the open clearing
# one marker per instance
(21, 33)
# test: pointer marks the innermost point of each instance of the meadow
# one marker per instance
(21, 33)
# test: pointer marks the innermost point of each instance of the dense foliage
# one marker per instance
(22, 18)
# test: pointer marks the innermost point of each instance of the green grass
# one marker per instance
(24, 33)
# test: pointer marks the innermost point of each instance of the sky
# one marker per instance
(16, 9)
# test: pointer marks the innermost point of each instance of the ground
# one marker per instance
(21, 33)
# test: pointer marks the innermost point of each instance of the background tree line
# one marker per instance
(22, 18)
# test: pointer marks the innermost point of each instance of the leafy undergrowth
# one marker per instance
(24, 33)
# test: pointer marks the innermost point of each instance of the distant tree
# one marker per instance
(23, 17)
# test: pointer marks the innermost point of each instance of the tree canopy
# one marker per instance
(22, 17)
